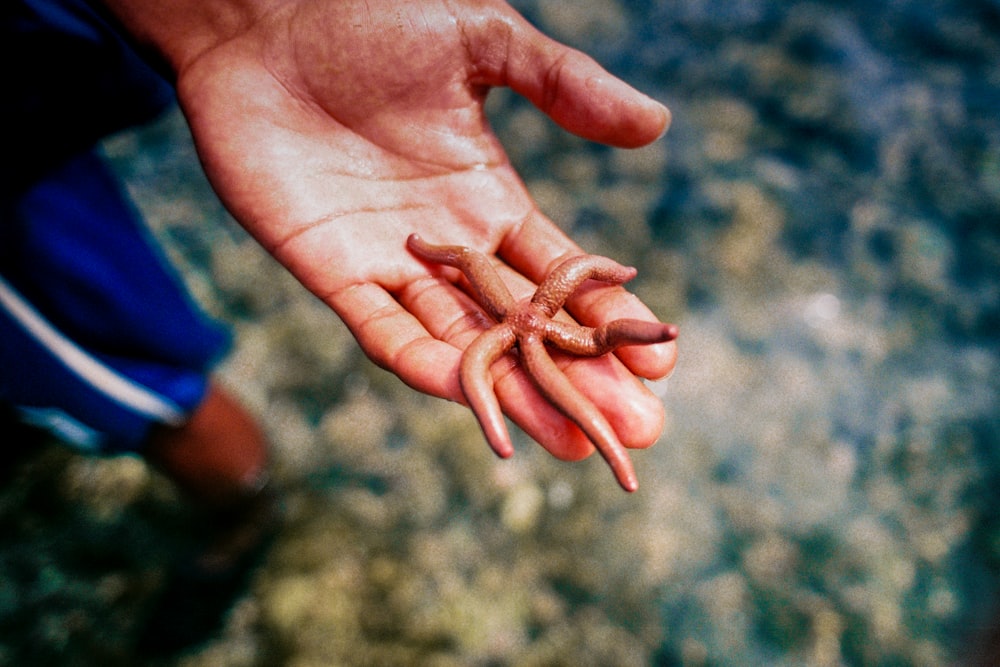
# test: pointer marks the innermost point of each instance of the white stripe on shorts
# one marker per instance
(105, 380)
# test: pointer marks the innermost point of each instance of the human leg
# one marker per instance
(218, 456)
(100, 345)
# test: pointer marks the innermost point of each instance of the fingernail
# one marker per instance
(667, 118)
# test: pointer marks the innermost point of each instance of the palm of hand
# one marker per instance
(331, 151)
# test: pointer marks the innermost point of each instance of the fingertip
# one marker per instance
(640, 419)
(666, 358)
(666, 118)
(608, 110)
(652, 362)
(646, 432)
(646, 121)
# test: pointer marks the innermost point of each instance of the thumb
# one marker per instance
(570, 87)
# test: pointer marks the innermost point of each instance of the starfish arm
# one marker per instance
(593, 342)
(477, 385)
(491, 293)
(569, 275)
(557, 388)
(615, 334)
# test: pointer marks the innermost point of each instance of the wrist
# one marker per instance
(178, 31)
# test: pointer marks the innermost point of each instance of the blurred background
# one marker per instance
(822, 221)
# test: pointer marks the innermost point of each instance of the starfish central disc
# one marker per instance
(528, 318)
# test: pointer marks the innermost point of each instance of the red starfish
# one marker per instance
(530, 325)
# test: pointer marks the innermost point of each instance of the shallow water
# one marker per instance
(822, 221)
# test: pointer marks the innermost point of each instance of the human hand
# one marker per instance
(332, 130)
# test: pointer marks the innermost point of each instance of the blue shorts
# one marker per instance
(99, 340)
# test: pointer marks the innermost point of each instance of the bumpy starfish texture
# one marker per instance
(530, 326)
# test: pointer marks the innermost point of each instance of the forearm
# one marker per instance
(178, 31)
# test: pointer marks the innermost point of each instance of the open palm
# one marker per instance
(332, 130)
